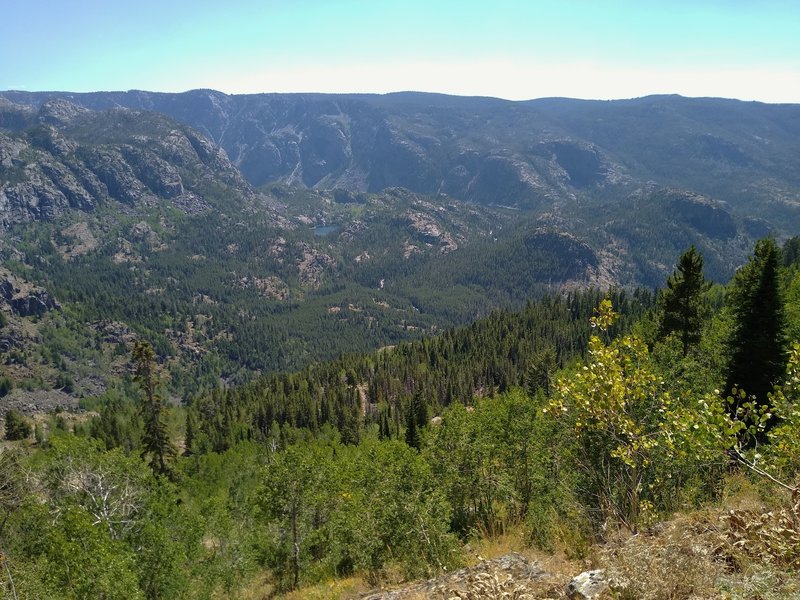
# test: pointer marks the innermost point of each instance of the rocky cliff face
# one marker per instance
(64, 156)
(23, 298)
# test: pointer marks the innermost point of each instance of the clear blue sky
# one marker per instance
(506, 48)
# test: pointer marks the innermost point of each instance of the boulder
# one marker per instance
(589, 585)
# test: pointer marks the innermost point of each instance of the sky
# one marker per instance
(599, 49)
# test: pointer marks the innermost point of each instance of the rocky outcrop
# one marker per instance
(353, 230)
(356, 144)
(538, 151)
(757, 228)
(38, 401)
(8, 342)
(30, 201)
(582, 163)
(76, 240)
(6, 286)
(114, 332)
(157, 174)
(15, 116)
(23, 298)
(569, 249)
(510, 576)
(425, 229)
(268, 287)
(50, 139)
(498, 179)
(35, 303)
(312, 264)
(703, 214)
(76, 195)
(115, 174)
(59, 112)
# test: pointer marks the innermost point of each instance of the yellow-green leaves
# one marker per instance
(782, 455)
(604, 316)
(623, 417)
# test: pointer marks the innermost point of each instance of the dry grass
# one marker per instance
(260, 588)
(747, 547)
(352, 587)
(257, 588)
(760, 582)
(675, 560)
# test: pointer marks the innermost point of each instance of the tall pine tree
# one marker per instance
(155, 440)
(683, 303)
(758, 343)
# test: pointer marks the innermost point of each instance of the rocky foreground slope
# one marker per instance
(741, 549)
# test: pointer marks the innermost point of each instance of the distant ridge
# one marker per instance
(490, 150)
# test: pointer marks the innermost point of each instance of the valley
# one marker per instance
(434, 209)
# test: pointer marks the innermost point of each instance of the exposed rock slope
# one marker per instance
(63, 157)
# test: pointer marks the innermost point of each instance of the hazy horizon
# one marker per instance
(397, 92)
(507, 49)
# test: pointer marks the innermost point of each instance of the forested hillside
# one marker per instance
(579, 425)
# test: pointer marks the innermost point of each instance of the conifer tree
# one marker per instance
(17, 426)
(758, 342)
(416, 418)
(682, 302)
(412, 435)
(791, 252)
(540, 373)
(155, 440)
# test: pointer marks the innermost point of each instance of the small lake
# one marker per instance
(325, 230)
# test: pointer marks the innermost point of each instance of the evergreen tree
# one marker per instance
(155, 440)
(758, 342)
(412, 435)
(682, 302)
(6, 385)
(189, 432)
(791, 252)
(416, 418)
(17, 426)
(540, 373)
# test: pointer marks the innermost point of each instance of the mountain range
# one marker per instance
(524, 154)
